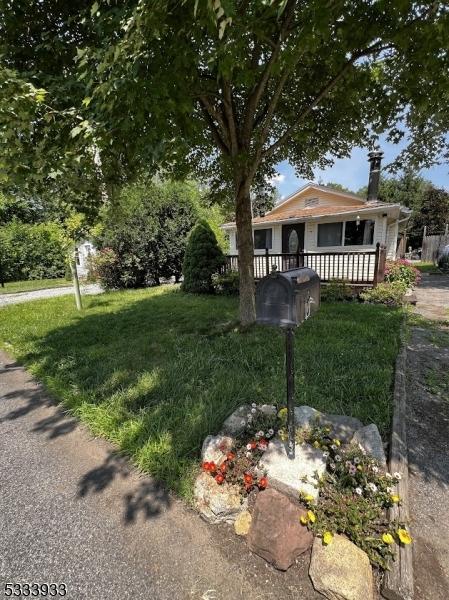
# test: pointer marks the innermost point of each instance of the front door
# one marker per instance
(292, 243)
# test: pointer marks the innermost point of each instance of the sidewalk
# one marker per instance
(5, 299)
(73, 512)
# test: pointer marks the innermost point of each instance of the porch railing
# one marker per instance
(359, 268)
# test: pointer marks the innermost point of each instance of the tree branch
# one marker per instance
(221, 143)
(322, 94)
(230, 117)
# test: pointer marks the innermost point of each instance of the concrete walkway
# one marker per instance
(6, 299)
(73, 512)
(428, 440)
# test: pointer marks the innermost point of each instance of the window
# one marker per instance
(309, 202)
(330, 234)
(359, 235)
(262, 239)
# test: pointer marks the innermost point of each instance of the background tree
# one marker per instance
(252, 84)
(433, 213)
(202, 260)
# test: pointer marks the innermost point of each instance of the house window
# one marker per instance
(330, 234)
(310, 202)
(361, 234)
(262, 239)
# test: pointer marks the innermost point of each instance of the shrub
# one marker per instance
(391, 294)
(336, 291)
(403, 271)
(203, 258)
(443, 260)
(104, 266)
(35, 251)
(227, 284)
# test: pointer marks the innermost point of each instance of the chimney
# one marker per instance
(375, 159)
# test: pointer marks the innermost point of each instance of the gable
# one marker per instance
(315, 196)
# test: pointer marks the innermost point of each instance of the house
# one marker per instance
(334, 232)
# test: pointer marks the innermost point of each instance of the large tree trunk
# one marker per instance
(246, 253)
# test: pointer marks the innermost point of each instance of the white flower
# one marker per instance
(388, 476)
(260, 433)
(397, 476)
(243, 422)
(358, 491)
(326, 454)
(250, 418)
(372, 487)
(338, 458)
(248, 447)
(249, 415)
(332, 465)
(253, 410)
(248, 455)
(375, 469)
(257, 436)
(356, 460)
(271, 431)
(254, 405)
(362, 449)
(334, 447)
(389, 490)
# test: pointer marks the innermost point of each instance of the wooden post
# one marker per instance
(76, 283)
(446, 229)
(267, 262)
(425, 232)
(376, 265)
(290, 372)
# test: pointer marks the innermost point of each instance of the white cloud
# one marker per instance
(276, 179)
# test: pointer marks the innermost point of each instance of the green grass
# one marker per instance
(437, 382)
(14, 287)
(427, 267)
(152, 371)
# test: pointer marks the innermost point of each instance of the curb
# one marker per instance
(398, 582)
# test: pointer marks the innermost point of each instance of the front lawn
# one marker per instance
(14, 287)
(152, 371)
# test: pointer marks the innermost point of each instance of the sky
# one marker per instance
(352, 172)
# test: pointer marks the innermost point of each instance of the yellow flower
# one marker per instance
(327, 537)
(359, 467)
(387, 538)
(303, 519)
(337, 442)
(395, 498)
(404, 536)
(311, 516)
(309, 498)
(282, 413)
(316, 444)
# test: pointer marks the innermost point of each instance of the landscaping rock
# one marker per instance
(341, 571)
(342, 427)
(369, 438)
(217, 502)
(242, 523)
(268, 409)
(211, 452)
(276, 533)
(235, 424)
(285, 474)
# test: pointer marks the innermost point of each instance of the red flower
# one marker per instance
(263, 444)
(263, 482)
(219, 478)
(253, 445)
(212, 467)
(248, 478)
(230, 455)
(206, 466)
(223, 467)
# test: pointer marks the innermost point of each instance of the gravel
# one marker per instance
(6, 299)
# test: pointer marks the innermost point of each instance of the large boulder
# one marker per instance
(215, 448)
(236, 423)
(292, 476)
(217, 502)
(369, 439)
(342, 427)
(341, 571)
(276, 533)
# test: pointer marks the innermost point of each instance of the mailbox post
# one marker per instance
(286, 299)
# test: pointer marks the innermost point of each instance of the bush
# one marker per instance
(227, 284)
(403, 271)
(443, 260)
(147, 229)
(34, 251)
(105, 267)
(391, 294)
(202, 260)
(336, 291)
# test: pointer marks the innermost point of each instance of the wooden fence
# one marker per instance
(432, 244)
(358, 268)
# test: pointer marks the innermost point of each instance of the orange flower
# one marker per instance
(263, 482)
(219, 478)
(223, 467)
(205, 466)
(230, 455)
(212, 467)
(248, 478)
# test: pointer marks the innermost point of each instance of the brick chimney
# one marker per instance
(375, 159)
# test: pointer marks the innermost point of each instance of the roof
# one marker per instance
(315, 211)
(323, 188)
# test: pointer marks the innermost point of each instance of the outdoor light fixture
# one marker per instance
(357, 221)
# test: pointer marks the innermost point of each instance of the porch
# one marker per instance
(365, 268)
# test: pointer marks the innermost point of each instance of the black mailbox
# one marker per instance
(287, 298)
